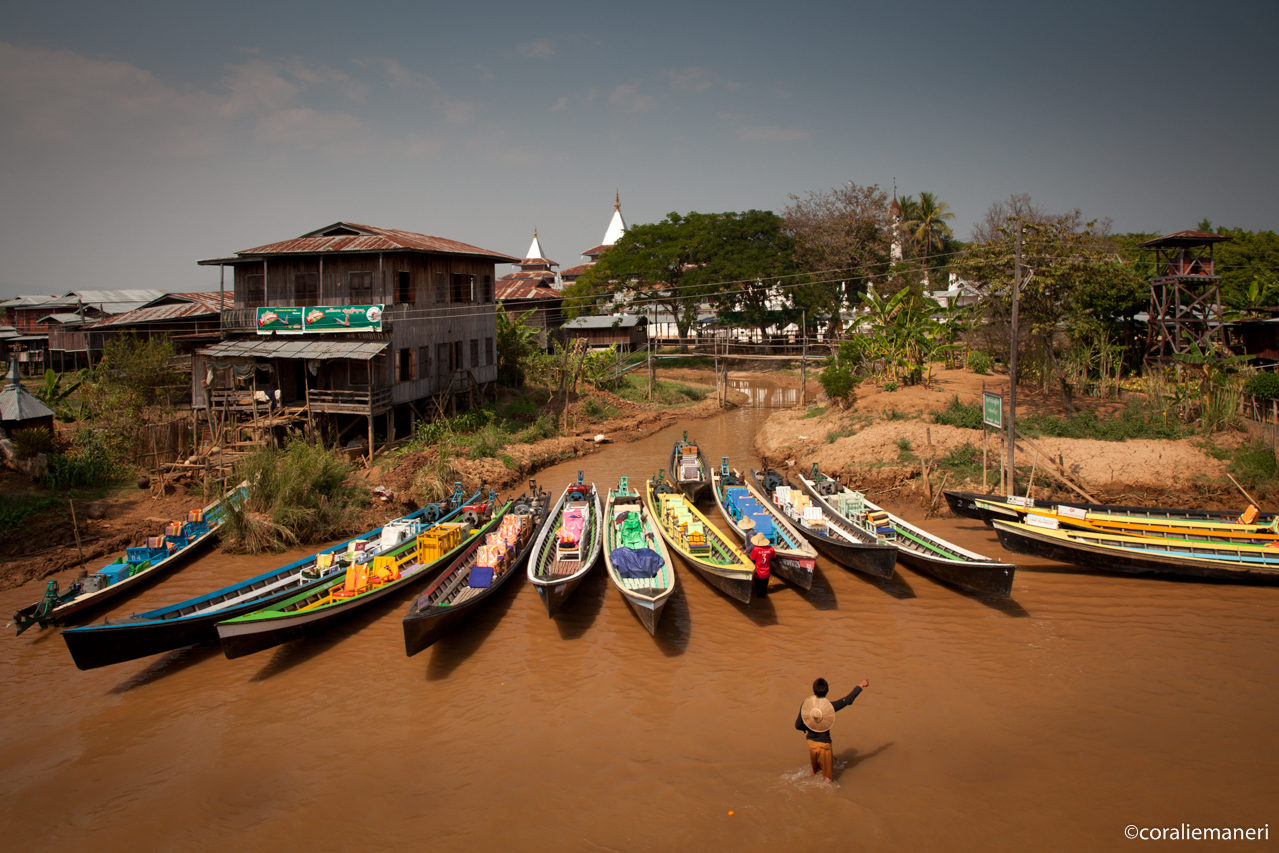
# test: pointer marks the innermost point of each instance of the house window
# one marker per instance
(404, 288)
(442, 361)
(306, 288)
(463, 287)
(254, 290)
(475, 352)
(488, 351)
(405, 365)
(455, 355)
(441, 288)
(424, 362)
(361, 287)
(487, 293)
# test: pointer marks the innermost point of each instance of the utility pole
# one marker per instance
(1012, 369)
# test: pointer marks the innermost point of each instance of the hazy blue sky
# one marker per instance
(138, 137)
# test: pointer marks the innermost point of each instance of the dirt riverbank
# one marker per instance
(883, 442)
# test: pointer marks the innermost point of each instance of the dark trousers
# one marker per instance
(761, 586)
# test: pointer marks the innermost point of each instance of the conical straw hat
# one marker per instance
(818, 713)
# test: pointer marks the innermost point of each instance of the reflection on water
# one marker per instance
(1089, 703)
(766, 395)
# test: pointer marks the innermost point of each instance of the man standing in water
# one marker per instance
(761, 555)
(816, 716)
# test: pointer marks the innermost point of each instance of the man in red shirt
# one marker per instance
(761, 555)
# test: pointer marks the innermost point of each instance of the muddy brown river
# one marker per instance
(1087, 704)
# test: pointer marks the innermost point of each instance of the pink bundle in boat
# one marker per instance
(574, 524)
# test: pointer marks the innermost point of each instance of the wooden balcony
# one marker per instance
(359, 402)
(239, 319)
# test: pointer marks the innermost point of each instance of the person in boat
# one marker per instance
(761, 555)
(816, 716)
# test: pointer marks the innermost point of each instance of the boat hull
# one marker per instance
(1114, 560)
(735, 585)
(878, 561)
(964, 504)
(554, 590)
(553, 595)
(994, 578)
(424, 627)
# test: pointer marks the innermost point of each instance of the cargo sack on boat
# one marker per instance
(636, 562)
(481, 577)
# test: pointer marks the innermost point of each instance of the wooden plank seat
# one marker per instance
(565, 567)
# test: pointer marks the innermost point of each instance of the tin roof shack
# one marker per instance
(19, 409)
(535, 288)
(189, 320)
(355, 324)
(68, 318)
(628, 332)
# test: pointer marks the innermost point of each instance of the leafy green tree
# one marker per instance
(1076, 287)
(516, 343)
(685, 260)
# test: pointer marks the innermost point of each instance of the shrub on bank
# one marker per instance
(957, 414)
(1264, 385)
(980, 363)
(297, 495)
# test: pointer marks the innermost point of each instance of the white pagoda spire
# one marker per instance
(535, 248)
(617, 227)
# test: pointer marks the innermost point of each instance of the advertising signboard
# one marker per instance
(992, 409)
(320, 318)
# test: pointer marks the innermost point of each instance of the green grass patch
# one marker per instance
(957, 414)
(892, 414)
(904, 449)
(17, 510)
(1254, 465)
(963, 462)
(665, 392)
(1132, 422)
(814, 412)
(599, 410)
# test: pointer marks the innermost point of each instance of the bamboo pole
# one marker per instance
(75, 527)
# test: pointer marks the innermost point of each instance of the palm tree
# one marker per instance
(929, 224)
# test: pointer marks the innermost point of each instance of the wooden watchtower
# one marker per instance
(1185, 296)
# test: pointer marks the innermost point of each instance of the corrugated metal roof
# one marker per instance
(17, 403)
(290, 347)
(64, 319)
(527, 285)
(596, 251)
(365, 238)
(206, 304)
(609, 321)
(25, 301)
(1186, 238)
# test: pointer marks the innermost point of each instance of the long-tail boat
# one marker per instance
(964, 505)
(1243, 530)
(476, 573)
(749, 513)
(374, 573)
(568, 547)
(194, 620)
(847, 544)
(1141, 554)
(635, 555)
(691, 535)
(138, 566)
(688, 470)
(916, 547)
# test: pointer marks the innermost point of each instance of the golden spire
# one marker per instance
(617, 200)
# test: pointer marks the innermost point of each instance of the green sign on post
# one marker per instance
(992, 409)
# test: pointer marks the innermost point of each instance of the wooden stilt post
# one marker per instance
(803, 362)
(984, 465)
(75, 526)
(370, 433)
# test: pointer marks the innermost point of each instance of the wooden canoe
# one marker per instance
(749, 512)
(628, 526)
(194, 620)
(964, 505)
(691, 535)
(916, 547)
(412, 561)
(139, 566)
(842, 542)
(688, 471)
(557, 565)
(451, 598)
(1142, 555)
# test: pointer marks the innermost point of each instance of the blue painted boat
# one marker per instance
(194, 620)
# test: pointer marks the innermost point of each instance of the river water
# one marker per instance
(1086, 704)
